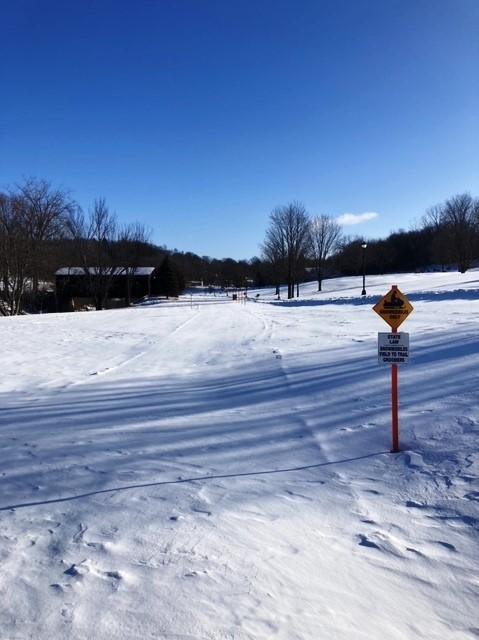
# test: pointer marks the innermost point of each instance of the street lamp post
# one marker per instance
(363, 247)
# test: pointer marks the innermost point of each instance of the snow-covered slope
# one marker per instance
(205, 469)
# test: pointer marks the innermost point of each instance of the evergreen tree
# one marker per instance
(170, 281)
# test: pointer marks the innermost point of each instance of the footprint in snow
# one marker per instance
(364, 425)
(201, 509)
(113, 574)
(386, 544)
(127, 474)
(415, 551)
(410, 504)
(81, 530)
(295, 495)
(78, 537)
(114, 577)
(67, 613)
(97, 546)
(446, 545)
(465, 421)
(60, 588)
(194, 574)
(77, 570)
(364, 541)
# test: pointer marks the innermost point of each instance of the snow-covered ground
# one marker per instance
(205, 469)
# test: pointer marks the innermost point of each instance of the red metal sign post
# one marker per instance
(394, 308)
(394, 409)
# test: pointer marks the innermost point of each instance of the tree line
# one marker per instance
(299, 246)
(43, 228)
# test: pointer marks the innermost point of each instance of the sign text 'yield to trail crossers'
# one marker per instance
(394, 308)
(393, 348)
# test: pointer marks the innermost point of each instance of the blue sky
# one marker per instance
(198, 117)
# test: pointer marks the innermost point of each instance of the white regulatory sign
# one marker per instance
(393, 348)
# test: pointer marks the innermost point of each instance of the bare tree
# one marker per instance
(433, 217)
(275, 251)
(325, 235)
(456, 230)
(441, 250)
(287, 240)
(461, 220)
(132, 247)
(15, 254)
(44, 211)
(96, 238)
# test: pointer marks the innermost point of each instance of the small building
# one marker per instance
(75, 285)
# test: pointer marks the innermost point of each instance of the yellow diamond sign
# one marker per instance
(394, 308)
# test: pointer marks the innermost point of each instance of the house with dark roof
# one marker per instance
(81, 287)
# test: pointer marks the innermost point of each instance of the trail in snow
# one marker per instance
(231, 481)
(163, 341)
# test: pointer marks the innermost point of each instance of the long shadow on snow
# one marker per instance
(190, 480)
(221, 427)
(148, 398)
(423, 296)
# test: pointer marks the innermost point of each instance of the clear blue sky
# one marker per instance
(198, 117)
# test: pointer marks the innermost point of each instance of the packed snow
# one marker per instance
(215, 470)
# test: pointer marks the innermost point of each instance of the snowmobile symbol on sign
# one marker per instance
(394, 308)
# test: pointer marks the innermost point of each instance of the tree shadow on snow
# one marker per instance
(423, 296)
(105, 437)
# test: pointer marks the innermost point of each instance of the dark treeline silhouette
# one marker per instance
(401, 251)
(447, 238)
(42, 229)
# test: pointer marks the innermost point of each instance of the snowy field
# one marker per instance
(211, 470)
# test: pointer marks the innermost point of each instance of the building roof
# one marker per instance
(80, 271)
